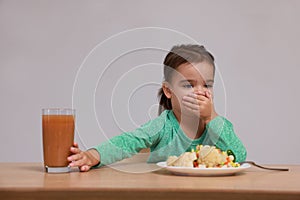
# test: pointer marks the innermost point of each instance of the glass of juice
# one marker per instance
(58, 126)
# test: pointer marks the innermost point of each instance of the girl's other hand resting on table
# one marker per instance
(84, 160)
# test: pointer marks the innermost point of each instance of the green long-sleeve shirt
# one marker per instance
(165, 138)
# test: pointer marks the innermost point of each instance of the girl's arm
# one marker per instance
(119, 147)
(129, 143)
(219, 132)
(113, 150)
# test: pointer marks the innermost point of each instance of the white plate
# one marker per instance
(190, 171)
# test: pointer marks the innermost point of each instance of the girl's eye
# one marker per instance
(187, 86)
(208, 86)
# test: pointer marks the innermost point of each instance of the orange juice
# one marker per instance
(58, 137)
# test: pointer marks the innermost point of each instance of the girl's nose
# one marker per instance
(199, 89)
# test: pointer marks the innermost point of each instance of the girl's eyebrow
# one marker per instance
(187, 80)
(210, 81)
(191, 80)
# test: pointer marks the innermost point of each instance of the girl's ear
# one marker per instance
(167, 90)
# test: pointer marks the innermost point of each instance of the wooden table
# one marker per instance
(29, 181)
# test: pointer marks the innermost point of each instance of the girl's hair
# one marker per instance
(177, 56)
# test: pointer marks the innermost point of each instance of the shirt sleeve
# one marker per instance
(130, 143)
(220, 133)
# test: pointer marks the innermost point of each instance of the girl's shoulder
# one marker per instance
(159, 120)
(157, 124)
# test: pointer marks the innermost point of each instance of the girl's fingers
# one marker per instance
(77, 163)
(75, 157)
(75, 144)
(84, 168)
(190, 105)
(193, 98)
(75, 150)
(208, 94)
(77, 160)
(199, 93)
(190, 99)
(202, 98)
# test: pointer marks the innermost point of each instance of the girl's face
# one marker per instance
(189, 78)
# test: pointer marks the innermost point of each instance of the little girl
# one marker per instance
(187, 117)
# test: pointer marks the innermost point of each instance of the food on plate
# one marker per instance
(204, 157)
(184, 160)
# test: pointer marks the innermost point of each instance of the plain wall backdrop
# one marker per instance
(44, 43)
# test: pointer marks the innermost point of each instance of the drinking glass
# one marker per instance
(58, 126)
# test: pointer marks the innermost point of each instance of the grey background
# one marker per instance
(45, 44)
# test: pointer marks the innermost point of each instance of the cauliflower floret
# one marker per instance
(171, 160)
(211, 156)
(184, 160)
